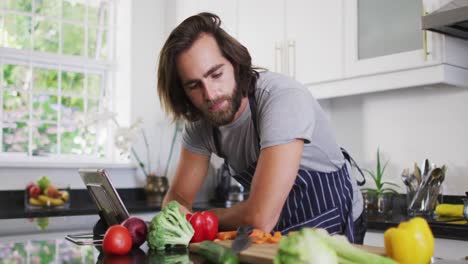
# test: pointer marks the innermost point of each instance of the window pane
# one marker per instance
(45, 107)
(46, 35)
(44, 139)
(96, 10)
(93, 105)
(16, 76)
(97, 43)
(71, 139)
(73, 39)
(72, 108)
(48, 7)
(74, 10)
(94, 85)
(18, 31)
(89, 142)
(2, 30)
(15, 137)
(72, 82)
(15, 106)
(19, 5)
(45, 80)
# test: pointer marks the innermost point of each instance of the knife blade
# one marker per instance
(242, 240)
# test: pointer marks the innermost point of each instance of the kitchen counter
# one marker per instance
(451, 230)
(12, 204)
(36, 241)
(441, 227)
(12, 207)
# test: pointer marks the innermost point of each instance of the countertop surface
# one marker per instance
(42, 240)
(12, 210)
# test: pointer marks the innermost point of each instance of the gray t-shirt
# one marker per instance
(286, 111)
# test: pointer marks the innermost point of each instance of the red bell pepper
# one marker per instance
(205, 225)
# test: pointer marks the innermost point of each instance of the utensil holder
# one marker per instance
(424, 200)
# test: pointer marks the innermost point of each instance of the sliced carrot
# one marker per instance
(273, 240)
(226, 235)
(277, 234)
(256, 233)
(260, 241)
(267, 235)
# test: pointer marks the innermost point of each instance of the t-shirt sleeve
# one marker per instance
(196, 139)
(286, 115)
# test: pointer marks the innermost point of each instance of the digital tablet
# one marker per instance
(111, 208)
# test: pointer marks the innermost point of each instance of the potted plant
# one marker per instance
(379, 198)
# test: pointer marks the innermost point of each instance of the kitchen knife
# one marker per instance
(242, 240)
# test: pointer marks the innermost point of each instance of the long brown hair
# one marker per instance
(170, 90)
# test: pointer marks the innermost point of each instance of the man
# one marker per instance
(268, 128)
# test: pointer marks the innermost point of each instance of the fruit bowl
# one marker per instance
(45, 195)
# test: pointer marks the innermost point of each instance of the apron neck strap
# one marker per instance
(253, 114)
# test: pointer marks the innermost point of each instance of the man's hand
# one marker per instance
(184, 210)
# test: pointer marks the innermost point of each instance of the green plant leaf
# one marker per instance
(371, 173)
(378, 172)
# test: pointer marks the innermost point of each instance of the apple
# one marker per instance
(52, 191)
(34, 191)
(30, 184)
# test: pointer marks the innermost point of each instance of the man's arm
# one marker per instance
(273, 179)
(190, 174)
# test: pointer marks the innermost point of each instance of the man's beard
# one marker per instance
(225, 116)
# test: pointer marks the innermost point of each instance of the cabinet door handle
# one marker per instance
(278, 57)
(425, 50)
(292, 58)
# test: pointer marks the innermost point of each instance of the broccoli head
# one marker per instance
(169, 228)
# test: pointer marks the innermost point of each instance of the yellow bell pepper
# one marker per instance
(411, 242)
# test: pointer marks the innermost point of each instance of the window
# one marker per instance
(56, 68)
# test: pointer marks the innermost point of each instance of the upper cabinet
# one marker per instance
(314, 35)
(383, 36)
(386, 49)
(178, 10)
(263, 35)
(292, 38)
(341, 47)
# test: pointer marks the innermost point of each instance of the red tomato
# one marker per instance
(117, 240)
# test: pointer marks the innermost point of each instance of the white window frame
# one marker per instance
(59, 62)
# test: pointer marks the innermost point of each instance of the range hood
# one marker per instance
(451, 19)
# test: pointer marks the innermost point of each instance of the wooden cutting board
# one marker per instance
(265, 253)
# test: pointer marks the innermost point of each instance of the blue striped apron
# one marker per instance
(317, 199)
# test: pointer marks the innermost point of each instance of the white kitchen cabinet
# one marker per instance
(226, 10)
(292, 38)
(385, 49)
(263, 35)
(314, 35)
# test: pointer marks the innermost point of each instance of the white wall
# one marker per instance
(408, 125)
(152, 21)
